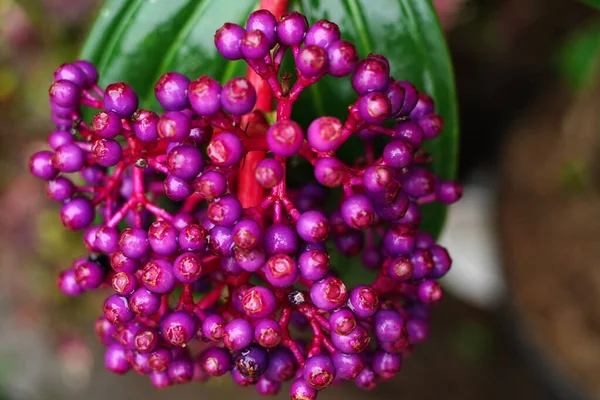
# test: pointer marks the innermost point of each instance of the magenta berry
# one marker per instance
(285, 138)
(221, 249)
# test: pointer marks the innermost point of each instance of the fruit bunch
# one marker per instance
(215, 265)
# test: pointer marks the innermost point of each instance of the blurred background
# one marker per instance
(522, 316)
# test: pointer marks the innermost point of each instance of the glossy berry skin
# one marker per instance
(301, 390)
(258, 302)
(134, 243)
(68, 158)
(185, 162)
(204, 96)
(225, 150)
(213, 235)
(116, 310)
(238, 96)
(292, 28)
(41, 166)
(77, 213)
(267, 333)
(252, 361)
(264, 21)
(311, 61)
(171, 91)
(364, 301)
(285, 138)
(228, 40)
(107, 124)
(329, 293)
(115, 359)
(158, 276)
(325, 134)
(319, 371)
(269, 173)
(120, 98)
(237, 334)
(216, 361)
(178, 328)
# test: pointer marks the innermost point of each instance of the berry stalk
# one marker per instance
(250, 193)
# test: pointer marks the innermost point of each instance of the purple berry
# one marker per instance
(145, 125)
(158, 276)
(212, 327)
(399, 240)
(366, 379)
(358, 212)
(41, 165)
(188, 267)
(313, 226)
(228, 41)
(250, 260)
(185, 162)
(388, 326)
(311, 60)
(173, 126)
(210, 184)
(425, 106)
(115, 359)
(292, 28)
(330, 172)
(120, 98)
(133, 242)
(281, 270)
(255, 45)
(347, 366)
(301, 390)
(441, 262)
(225, 149)
(116, 310)
(371, 75)
(285, 138)
(319, 371)
(264, 21)
(448, 192)
(107, 152)
(386, 365)
(237, 334)
(325, 134)
(364, 301)
(252, 361)
(124, 283)
(171, 91)
(143, 302)
(354, 342)
(178, 328)
(329, 293)
(107, 124)
(374, 107)
(77, 213)
(247, 234)
(162, 238)
(64, 93)
(192, 238)
(58, 138)
(90, 72)
(397, 154)
(280, 238)
(177, 189)
(400, 269)
(313, 264)
(181, 370)
(68, 158)
(322, 33)
(146, 340)
(258, 302)
(432, 125)
(238, 96)
(68, 284)
(204, 95)
(267, 387)
(216, 361)
(269, 172)
(267, 333)
(342, 321)
(224, 211)
(221, 241)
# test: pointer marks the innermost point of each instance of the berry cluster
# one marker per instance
(215, 270)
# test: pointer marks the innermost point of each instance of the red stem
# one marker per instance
(250, 193)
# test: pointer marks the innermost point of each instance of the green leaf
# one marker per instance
(138, 40)
(593, 3)
(578, 57)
